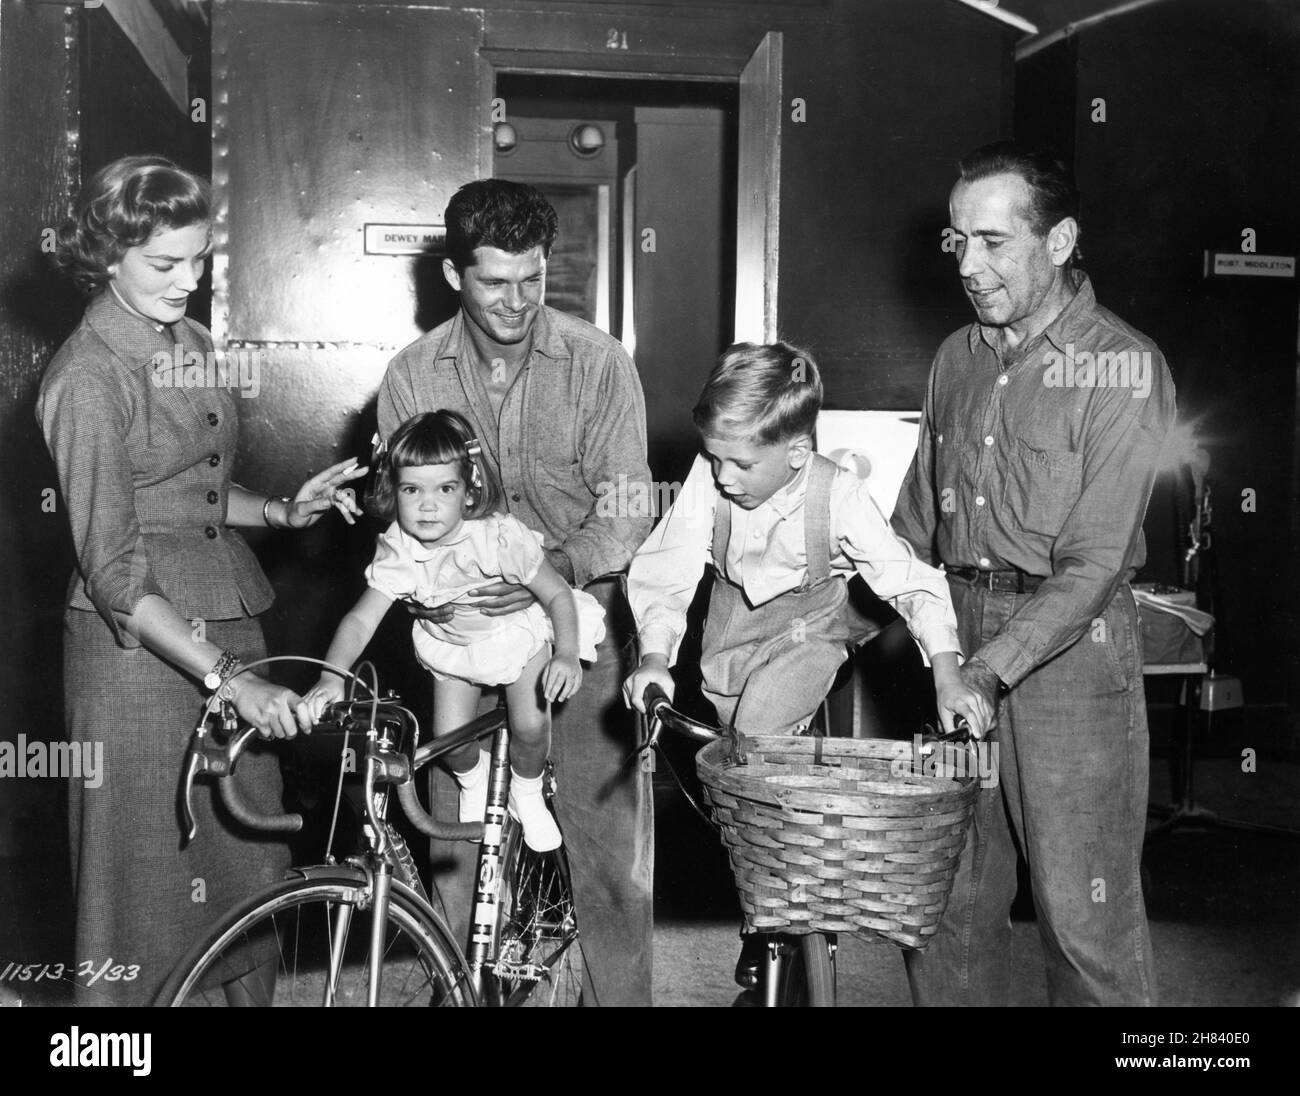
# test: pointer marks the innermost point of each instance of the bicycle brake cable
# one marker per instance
(659, 750)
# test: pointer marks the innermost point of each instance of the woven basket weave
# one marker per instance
(840, 834)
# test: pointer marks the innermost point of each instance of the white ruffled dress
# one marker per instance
(473, 647)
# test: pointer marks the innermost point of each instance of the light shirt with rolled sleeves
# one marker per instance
(1016, 470)
(766, 557)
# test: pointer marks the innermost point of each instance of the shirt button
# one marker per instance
(941, 437)
(210, 532)
(1002, 379)
(988, 440)
(213, 418)
(212, 497)
(215, 459)
(979, 500)
(984, 562)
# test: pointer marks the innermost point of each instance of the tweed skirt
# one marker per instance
(142, 899)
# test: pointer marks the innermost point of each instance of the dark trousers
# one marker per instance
(1071, 798)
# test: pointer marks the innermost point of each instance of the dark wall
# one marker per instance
(895, 94)
(681, 159)
(1200, 142)
(38, 60)
(74, 94)
(124, 111)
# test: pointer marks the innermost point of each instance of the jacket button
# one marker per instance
(210, 532)
(213, 418)
(215, 459)
(212, 497)
(515, 496)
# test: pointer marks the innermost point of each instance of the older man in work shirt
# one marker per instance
(1042, 427)
(560, 415)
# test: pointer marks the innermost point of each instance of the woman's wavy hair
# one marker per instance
(433, 437)
(122, 205)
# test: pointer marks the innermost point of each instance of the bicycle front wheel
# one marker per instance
(314, 932)
(807, 978)
(539, 955)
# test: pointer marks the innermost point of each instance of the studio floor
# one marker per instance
(1224, 908)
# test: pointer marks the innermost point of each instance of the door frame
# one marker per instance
(758, 182)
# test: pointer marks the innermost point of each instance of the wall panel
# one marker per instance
(332, 117)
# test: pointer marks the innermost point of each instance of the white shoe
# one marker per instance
(528, 805)
(474, 789)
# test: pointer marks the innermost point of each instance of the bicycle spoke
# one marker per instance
(539, 960)
(319, 936)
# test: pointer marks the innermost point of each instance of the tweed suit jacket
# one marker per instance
(143, 448)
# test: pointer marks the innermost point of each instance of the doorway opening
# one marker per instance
(643, 175)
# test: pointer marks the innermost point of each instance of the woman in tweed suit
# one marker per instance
(165, 592)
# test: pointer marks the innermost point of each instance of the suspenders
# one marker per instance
(816, 523)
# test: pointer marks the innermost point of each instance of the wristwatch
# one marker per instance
(221, 670)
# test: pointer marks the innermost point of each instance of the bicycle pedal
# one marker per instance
(749, 966)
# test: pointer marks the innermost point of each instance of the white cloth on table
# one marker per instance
(471, 646)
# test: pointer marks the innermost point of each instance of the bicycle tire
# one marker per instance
(539, 954)
(808, 974)
(422, 965)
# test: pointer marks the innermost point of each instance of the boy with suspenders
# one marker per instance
(783, 528)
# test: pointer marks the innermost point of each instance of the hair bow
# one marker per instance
(474, 451)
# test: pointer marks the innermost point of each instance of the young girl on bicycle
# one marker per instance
(446, 542)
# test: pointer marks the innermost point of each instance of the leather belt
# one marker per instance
(1004, 582)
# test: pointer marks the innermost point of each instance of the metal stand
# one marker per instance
(1184, 812)
(1213, 692)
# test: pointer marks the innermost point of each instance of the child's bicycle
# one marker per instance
(826, 836)
(363, 932)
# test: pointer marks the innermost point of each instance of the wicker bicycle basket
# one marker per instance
(840, 834)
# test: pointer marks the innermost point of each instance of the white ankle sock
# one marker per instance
(473, 789)
(528, 804)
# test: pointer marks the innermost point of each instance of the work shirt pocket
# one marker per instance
(1042, 487)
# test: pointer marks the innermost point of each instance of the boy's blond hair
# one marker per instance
(761, 393)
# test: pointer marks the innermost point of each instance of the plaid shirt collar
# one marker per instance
(545, 339)
(1074, 319)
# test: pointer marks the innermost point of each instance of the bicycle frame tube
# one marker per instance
(378, 926)
(772, 963)
(487, 889)
(342, 924)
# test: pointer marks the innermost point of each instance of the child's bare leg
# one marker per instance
(530, 743)
(530, 719)
(454, 705)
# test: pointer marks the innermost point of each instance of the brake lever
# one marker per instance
(961, 733)
(204, 756)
